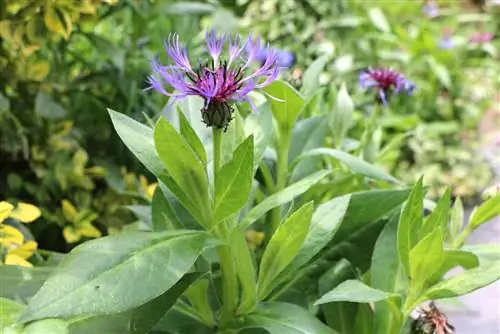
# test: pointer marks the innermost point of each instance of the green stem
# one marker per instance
(281, 177)
(460, 240)
(227, 267)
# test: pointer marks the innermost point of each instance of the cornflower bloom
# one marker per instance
(446, 41)
(286, 59)
(481, 37)
(431, 9)
(385, 81)
(219, 82)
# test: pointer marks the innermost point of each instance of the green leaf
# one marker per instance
(379, 20)
(456, 219)
(283, 247)
(46, 107)
(232, 138)
(409, 224)
(198, 299)
(338, 315)
(463, 283)
(281, 197)
(282, 318)
(439, 216)
(194, 8)
(139, 140)
(286, 103)
(426, 258)
(340, 117)
(185, 169)
(4, 102)
(9, 312)
(387, 274)
(21, 283)
(310, 79)
(137, 320)
(162, 213)
(87, 280)
(260, 125)
(453, 258)
(246, 271)
(363, 323)
(52, 326)
(355, 164)
(354, 291)
(192, 138)
(440, 71)
(325, 222)
(234, 182)
(485, 212)
(143, 213)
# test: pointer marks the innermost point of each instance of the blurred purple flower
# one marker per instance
(481, 37)
(218, 81)
(286, 58)
(431, 9)
(385, 81)
(446, 43)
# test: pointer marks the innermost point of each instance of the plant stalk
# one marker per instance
(281, 177)
(371, 126)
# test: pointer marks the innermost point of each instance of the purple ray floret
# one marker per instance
(385, 81)
(218, 81)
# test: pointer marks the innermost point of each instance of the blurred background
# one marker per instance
(62, 63)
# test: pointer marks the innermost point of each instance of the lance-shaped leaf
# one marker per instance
(286, 103)
(485, 212)
(192, 138)
(260, 125)
(426, 257)
(354, 291)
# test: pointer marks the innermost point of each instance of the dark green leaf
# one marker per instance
(234, 182)
(162, 213)
(46, 107)
(87, 280)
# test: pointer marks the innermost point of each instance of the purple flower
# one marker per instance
(446, 43)
(481, 37)
(431, 9)
(385, 81)
(286, 58)
(219, 81)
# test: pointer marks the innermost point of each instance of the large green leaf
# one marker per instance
(283, 247)
(280, 318)
(485, 212)
(463, 283)
(354, 291)
(286, 103)
(355, 164)
(260, 125)
(453, 258)
(162, 214)
(324, 223)
(137, 320)
(310, 79)
(439, 216)
(426, 258)
(281, 197)
(45, 326)
(21, 283)
(387, 275)
(192, 138)
(234, 181)
(116, 273)
(338, 315)
(185, 168)
(409, 224)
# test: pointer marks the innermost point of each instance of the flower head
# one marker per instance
(431, 9)
(385, 81)
(446, 41)
(481, 37)
(286, 59)
(220, 81)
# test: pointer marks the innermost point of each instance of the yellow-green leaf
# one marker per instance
(70, 234)
(26, 213)
(5, 210)
(69, 211)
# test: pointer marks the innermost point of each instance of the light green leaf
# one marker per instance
(87, 280)
(46, 107)
(137, 320)
(379, 20)
(283, 247)
(198, 300)
(192, 138)
(340, 117)
(310, 79)
(185, 168)
(281, 197)
(22, 282)
(282, 318)
(9, 312)
(464, 283)
(363, 323)
(453, 258)
(45, 326)
(426, 258)
(485, 212)
(440, 71)
(234, 181)
(193, 8)
(286, 104)
(245, 268)
(232, 138)
(354, 291)
(260, 125)
(162, 213)
(456, 219)
(439, 216)
(409, 224)
(355, 164)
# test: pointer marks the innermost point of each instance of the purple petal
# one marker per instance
(235, 48)
(177, 53)
(215, 44)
